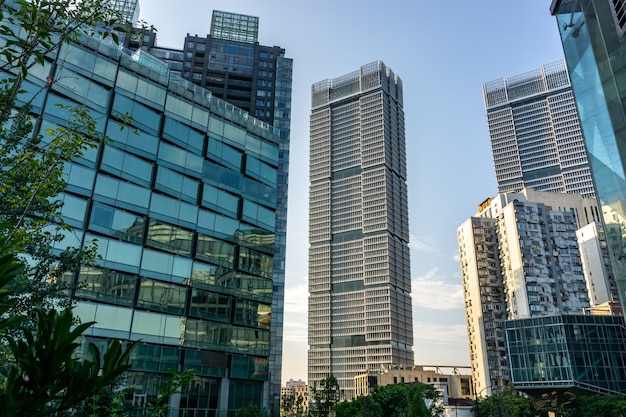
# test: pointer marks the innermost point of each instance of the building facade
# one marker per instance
(360, 314)
(454, 383)
(520, 258)
(183, 204)
(553, 354)
(232, 64)
(294, 399)
(592, 34)
(536, 139)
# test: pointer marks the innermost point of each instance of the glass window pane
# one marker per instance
(162, 296)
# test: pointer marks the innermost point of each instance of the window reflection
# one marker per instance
(117, 223)
(170, 238)
(255, 262)
(215, 251)
(252, 314)
(227, 278)
(107, 286)
(161, 296)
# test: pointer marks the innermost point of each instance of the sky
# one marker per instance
(444, 51)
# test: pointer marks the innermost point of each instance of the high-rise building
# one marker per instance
(520, 258)
(232, 64)
(185, 207)
(536, 138)
(360, 314)
(592, 34)
(129, 9)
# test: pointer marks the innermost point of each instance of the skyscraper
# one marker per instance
(232, 64)
(184, 205)
(360, 314)
(536, 138)
(592, 33)
(519, 258)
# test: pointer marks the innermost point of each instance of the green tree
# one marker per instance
(397, 400)
(250, 410)
(506, 404)
(325, 397)
(31, 177)
(595, 405)
(44, 376)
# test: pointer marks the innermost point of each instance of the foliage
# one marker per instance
(250, 410)
(325, 398)
(33, 29)
(397, 400)
(506, 404)
(292, 405)
(115, 402)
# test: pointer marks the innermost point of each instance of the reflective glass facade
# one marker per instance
(183, 205)
(595, 52)
(563, 352)
(232, 64)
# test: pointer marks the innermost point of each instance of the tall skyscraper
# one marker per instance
(520, 258)
(536, 138)
(360, 314)
(592, 33)
(186, 207)
(232, 64)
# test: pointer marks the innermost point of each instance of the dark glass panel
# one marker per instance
(211, 306)
(252, 314)
(256, 263)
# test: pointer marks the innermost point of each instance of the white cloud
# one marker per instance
(441, 333)
(297, 299)
(432, 291)
(423, 244)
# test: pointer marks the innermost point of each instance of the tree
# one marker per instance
(43, 376)
(31, 177)
(325, 398)
(506, 404)
(396, 400)
(250, 410)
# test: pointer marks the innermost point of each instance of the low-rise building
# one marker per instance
(294, 399)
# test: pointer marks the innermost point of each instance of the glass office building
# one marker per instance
(592, 33)
(580, 353)
(183, 205)
(256, 78)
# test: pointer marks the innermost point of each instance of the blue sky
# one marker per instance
(444, 51)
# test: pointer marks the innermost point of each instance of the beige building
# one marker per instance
(294, 399)
(453, 384)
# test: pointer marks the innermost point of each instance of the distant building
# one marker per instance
(596, 262)
(520, 258)
(456, 388)
(536, 137)
(360, 312)
(294, 399)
